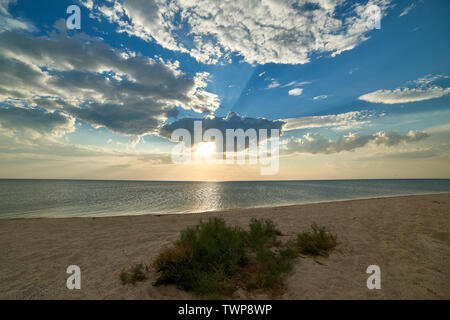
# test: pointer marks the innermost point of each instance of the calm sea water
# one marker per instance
(73, 198)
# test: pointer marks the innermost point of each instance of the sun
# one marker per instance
(205, 149)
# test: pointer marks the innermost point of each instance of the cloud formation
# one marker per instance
(7, 22)
(407, 10)
(295, 92)
(315, 143)
(260, 31)
(231, 121)
(404, 95)
(353, 119)
(35, 123)
(83, 77)
(424, 90)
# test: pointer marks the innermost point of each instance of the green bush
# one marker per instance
(262, 233)
(172, 265)
(213, 259)
(215, 246)
(317, 242)
(204, 258)
(268, 269)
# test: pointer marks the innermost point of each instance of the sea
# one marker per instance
(93, 198)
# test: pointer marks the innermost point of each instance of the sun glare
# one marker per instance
(205, 149)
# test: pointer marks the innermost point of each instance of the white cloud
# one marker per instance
(7, 22)
(353, 119)
(321, 97)
(290, 84)
(87, 3)
(295, 92)
(404, 95)
(260, 31)
(407, 10)
(315, 143)
(273, 84)
(424, 90)
(296, 84)
(428, 79)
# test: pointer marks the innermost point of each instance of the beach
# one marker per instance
(408, 237)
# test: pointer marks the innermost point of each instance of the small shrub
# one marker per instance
(262, 233)
(215, 246)
(289, 250)
(268, 269)
(317, 242)
(135, 274)
(171, 263)
(204, 258)
(213, 259)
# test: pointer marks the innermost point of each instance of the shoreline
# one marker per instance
(234, 209)
(407, 236)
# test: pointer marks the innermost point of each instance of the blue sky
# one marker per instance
(143, 65)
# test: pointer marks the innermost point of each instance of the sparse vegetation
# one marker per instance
(213, 259)
(317, 242)
(204, 258)
(134, 274)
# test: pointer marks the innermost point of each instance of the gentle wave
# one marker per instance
(80, 198)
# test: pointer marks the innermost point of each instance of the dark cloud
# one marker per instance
(136, 118)
(232, 121)
(19, 78)
(86, 57)
(84, 77)
(39, 121)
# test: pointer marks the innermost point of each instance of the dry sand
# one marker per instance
(408, 237)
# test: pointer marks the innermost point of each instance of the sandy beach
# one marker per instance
(408, 237)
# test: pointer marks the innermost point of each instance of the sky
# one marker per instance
(352, 101)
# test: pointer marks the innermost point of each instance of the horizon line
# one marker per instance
(219, 181)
